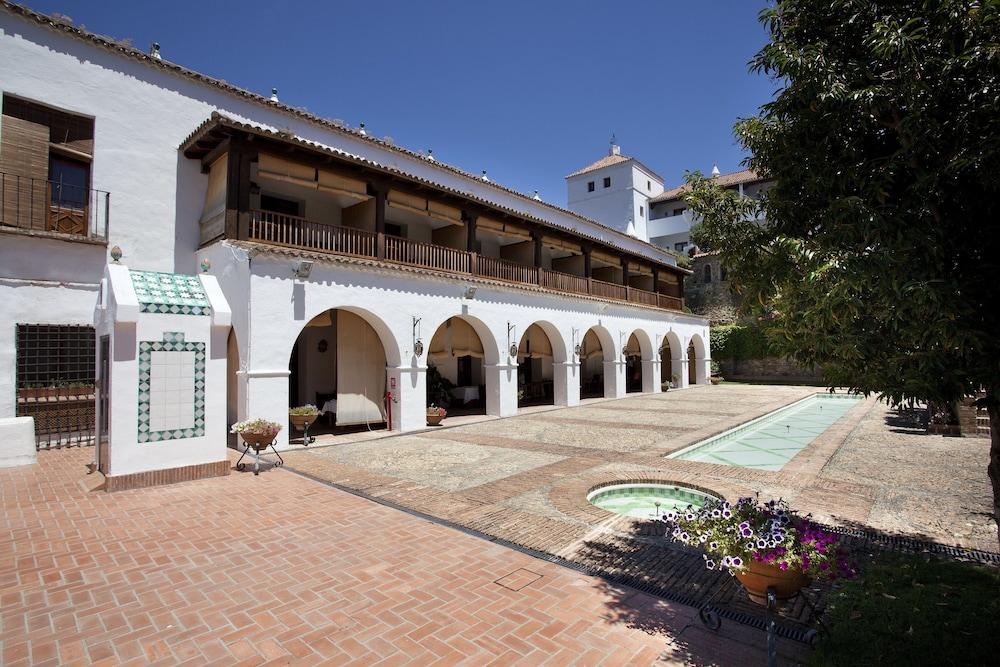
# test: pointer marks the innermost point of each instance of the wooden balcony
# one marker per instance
(293, 232)
(37, 206)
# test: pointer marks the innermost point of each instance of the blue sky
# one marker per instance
(529, 91)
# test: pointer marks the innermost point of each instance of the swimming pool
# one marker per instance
(770, 441)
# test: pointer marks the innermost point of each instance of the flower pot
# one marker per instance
(258, 441)
(302, 422)
(758, 577)
(434, 419)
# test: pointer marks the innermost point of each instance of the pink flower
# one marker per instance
(783, 565)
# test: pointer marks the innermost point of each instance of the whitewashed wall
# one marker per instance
(270, 308)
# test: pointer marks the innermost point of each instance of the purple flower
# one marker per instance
(726, 514)
(710, 564)
(747, 532)
(737, 561)
(744, 525)
(783, 565)
(713, 545)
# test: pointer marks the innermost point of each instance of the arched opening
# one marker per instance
(591, 365)
(666, 363)
(232, 379)
(534, 368)
(633, 365)
(708, 273)
(692, 364)
(456, 372)
(338, 364)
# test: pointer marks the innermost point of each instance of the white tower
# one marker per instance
(614, 191)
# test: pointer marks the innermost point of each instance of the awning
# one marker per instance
(534, 344)
(276, 168)
(342, 185)
(455, 338)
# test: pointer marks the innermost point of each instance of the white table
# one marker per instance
(466, 394)
(330, 406)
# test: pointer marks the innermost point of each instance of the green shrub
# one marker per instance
(740, 341)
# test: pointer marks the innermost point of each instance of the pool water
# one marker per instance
(640, 500)
(771, 441)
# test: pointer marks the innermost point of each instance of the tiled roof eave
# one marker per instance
(218, 119)
(391, 268)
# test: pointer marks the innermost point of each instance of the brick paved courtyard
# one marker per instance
(279, 569)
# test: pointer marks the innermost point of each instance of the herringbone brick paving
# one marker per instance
(278, 569)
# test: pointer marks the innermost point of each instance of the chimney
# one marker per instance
(484, 176)
(274, 94)
(430, 155)
(536, 197)
(361, 130)
(615, 149)
(154, 51)
(715, 170)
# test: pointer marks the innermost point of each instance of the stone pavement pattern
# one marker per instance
(278, 569)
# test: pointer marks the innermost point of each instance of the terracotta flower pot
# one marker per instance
(434, 419)
(302, 422)
(759, 576)
(258, 441)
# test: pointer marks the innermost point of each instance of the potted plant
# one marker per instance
(762, 545)
(257, 433)
(302, 417)
(435, 415)
(675, 381)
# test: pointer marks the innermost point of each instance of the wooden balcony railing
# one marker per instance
(607, 290)
(288, 230)
(636, 295)
(427, 255)
(501, 269)
(301, 233)
(564, 282)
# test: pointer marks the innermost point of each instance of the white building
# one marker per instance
(624, 194)
(351, 266)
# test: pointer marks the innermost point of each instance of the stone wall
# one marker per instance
(768, 369)
(708, 294)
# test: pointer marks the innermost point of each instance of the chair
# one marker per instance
(321, 399)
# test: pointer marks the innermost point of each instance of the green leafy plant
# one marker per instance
(875, 253)
(438, 387)
(304, 410)
(436, 411)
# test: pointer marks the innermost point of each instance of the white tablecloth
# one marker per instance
(330, 406)
(466, 394)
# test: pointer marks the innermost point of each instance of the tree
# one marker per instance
(878, 255)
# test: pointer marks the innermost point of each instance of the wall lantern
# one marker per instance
(116, 253)
(513, 350)
(470, 292)
(578, 349)
(418, 347)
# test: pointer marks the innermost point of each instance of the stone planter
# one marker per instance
(759, 576)
(715, 379)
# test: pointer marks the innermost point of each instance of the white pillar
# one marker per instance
(409, 404)
(614, 379)
(501, 390)
(566, 383)
(703, 371)
(651, 376)
(679, 367)
(267, 398)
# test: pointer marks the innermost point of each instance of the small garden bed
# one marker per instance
(905, 610)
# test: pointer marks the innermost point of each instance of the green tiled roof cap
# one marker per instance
(170, 293)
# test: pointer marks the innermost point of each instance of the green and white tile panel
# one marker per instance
(771, 441)
(170, 293)
(171, 389)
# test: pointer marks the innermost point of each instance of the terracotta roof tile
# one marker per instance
(605, 161)
(725, 180)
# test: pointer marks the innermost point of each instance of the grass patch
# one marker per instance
(903, 610)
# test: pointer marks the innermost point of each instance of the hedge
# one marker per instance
(738, 341)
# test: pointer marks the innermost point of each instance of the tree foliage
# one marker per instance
(878, 260)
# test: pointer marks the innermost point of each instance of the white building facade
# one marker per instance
(354, 270)
(624, 194)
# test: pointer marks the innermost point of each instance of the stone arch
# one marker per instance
(540, 349)
(491, 345)
(698, 358)
(638, 354)
(597, 373)
(465, 383)
(339, 362)
(672, 360)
